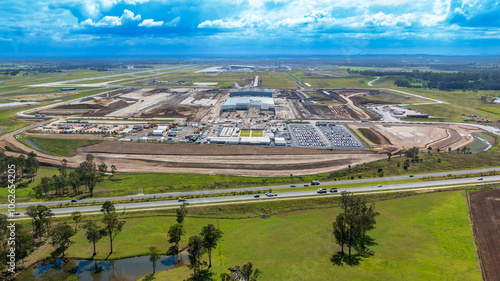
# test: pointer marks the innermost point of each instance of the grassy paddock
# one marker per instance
(425, 237)
(61, 147)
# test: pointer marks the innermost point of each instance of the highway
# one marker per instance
(222, 199)
(257, 188)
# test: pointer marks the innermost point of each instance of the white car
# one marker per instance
(379, 185)
(479, 179)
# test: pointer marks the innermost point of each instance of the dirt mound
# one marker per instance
(201, 149)
(374, 136)
(485, 209)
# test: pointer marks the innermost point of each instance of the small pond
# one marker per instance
(90, 270)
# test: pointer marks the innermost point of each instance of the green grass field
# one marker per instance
(424, 237)
(257, 133)
(61, 147)
(245, 133)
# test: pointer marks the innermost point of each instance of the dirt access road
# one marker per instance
(485, 209)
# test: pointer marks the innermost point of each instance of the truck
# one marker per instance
(322, 190)
(315, 182)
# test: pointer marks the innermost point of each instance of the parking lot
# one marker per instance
(305, 135)
(340, 137)
(323, 135)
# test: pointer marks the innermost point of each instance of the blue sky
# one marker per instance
(99, 28)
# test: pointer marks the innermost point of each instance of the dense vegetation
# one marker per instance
(444, 81)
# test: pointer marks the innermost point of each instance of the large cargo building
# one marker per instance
(244, 99)
(251, 92)
(245, 103)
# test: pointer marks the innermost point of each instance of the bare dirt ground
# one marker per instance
(330, 104)
(204, 159)
(485, 209)
(419, 135)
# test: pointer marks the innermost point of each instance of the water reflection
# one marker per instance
(89, 270)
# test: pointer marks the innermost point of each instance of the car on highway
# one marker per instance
(333, 190)
(411, 176)
(322, 190)
(74, 200)
(16, 214)
(379, 185)
(479, 179)
(269, 194)
(292, 185)
(306, 185)
(181, 200)
(256, 196)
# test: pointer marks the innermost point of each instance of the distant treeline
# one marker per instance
(445, 81)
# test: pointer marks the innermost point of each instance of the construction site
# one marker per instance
(248, 130)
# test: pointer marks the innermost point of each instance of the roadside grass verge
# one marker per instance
(129, 184)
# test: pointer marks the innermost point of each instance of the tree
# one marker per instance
(389, 154)
(196, 251)
(41, 219)
(24, 242)
(248, 273)
(102, 167)
(412, 152)
(61, 236)
(154, 256)
(76, 216)
(94, 233)
(175, 234)
(449, 149)
(211, 236)
(339, 231)
(32, 165)
(45, 185)
(63, 169)
(74, 181)
(107, 207)
(113, 169)
(429, 149)
(354, 222)
(110, 220)
(182, 212)
(87, 172)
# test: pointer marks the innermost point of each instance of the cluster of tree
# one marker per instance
(352, 224)
(25, 166)
(198, 245)
(23, 241)
(11, 72)
(88, 174)
(446, 81)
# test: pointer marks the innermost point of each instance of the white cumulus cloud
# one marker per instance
(112, 21)
(151, 23)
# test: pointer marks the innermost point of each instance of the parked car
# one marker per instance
(256, 196)
(293, 185)
(379, 185)
(479, 179)
(333, 189)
